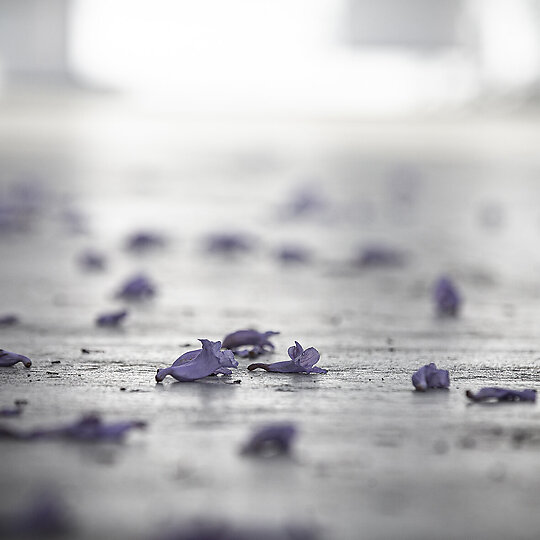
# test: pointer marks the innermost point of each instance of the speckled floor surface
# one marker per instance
(373, 459)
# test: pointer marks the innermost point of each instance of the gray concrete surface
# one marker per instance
(373, 459)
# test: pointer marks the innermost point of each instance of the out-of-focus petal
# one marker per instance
(502, 394)
(271, 440)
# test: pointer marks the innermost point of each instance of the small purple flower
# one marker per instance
(447, 299)
(271, 440)
(228, 244)
(136, 289)
(10, 359)
(111, 319)
(293, 254)
(89, 428)
(144, 241)
(301, 362)
(241, 338)
(380, 256)
(44, 516)
(92, 261)
(200, 363)
(9, 320)
(429, 376)
(501, 394)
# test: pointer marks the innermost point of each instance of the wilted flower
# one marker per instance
(228, 243)
(10, 359)
(293, 254)
(144, 241)
(137, 288)
(88, 428)
(200, 363)
(44, 516)
(380, 256)
(429, 376)
(9, 320)
(111, 319)
(271, 440)
(501, 394)
(92, 260)
(240, 338)
(447, 299)
(301, 362)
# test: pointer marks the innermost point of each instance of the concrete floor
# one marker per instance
(373, 459)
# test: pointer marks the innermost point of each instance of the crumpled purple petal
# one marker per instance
(271, 440)
(501, 394)
(241, 338)
(9, 320)
(429, 376)
(144, 241)
(228, 243)
(111, 319)
(198, 364)
(92, 260)
(88, 428)
(293, 254)
(380, 256)
(10, 359)
(45, 516)
(302, 361)
(206, 530)
(447, 298)
(137, 288)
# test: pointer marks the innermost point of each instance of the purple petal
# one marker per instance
(295, 351)
(88, 428)
(270, 440)
(144, 241)
(10, 359)
(137, 288)
(248, 337)
(292, 254)
(210, 359)
(380, 256)
(111, 319)
(228, 244)
(447, 299)
(501, 394)
(92, 260)
(301, 362)
(429, 376)
(9, 320)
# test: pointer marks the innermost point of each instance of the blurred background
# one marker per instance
(333, 57)
(351, 152)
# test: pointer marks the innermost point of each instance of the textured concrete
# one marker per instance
(373, 459)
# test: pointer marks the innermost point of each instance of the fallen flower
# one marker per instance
(447, 299)
(200, 363)
(111, 319)
(88, 428)
(249, 337)
(228, 243)
(271, 440)
(10, 359)
(9, 320)
(501, 394)
(144, 241)
(380, 256)
(44, 516)
(429, 376)
(92, 260)
(293, 254)
(137, 288)
(301, 362)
